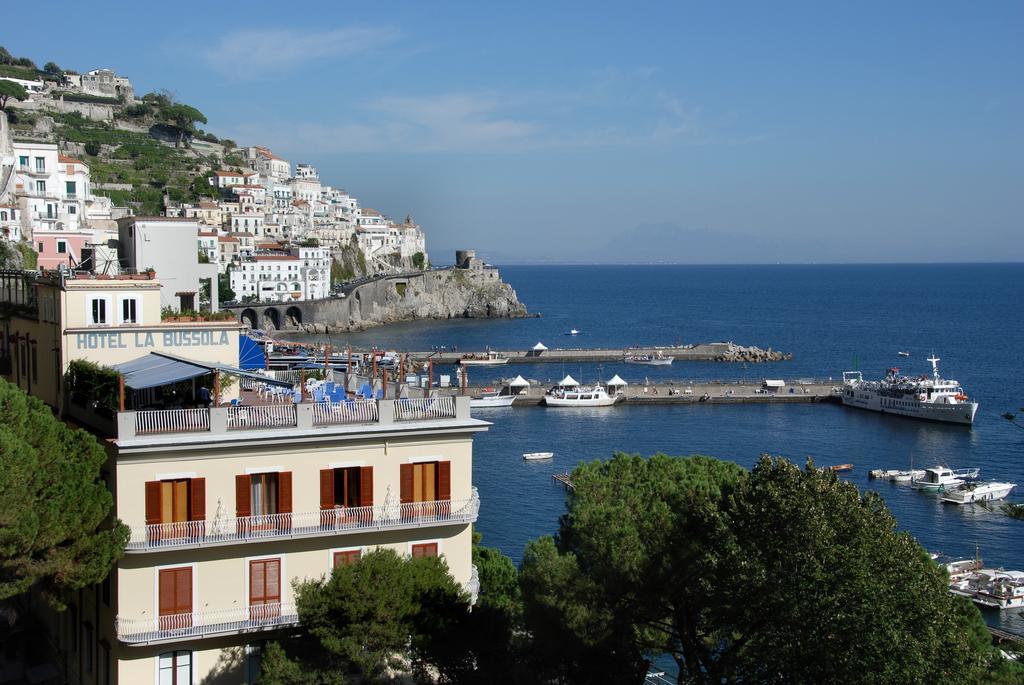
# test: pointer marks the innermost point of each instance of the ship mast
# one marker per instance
(935, 366)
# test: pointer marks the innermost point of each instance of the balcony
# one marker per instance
(198, 624)
(320, 523)
(312, 415)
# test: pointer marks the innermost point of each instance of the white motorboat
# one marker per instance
(656, 359)
(896, 475)
(942, 478)
(967, 493)
(491, 399)
(903, 354)
(572, 332)
(919, 397)
(537, 456)
(1000, 589)
(596, 396)
(488, 359)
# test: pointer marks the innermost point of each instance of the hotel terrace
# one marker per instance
(229, 502)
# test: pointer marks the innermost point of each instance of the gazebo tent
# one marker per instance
(537, 350)
(518, 385)
(568, 382)
(616, 382)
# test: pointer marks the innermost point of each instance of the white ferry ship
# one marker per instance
(919, 397)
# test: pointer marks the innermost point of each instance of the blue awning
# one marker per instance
(159, 368)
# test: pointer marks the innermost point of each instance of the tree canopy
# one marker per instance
(183, 118)
(8, 90)
(54, 503)
(777, 575)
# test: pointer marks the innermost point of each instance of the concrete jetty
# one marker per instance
(718, 351)
(684, 392)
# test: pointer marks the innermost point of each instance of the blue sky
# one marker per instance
(569, 132)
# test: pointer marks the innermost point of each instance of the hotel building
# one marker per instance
(228, 504)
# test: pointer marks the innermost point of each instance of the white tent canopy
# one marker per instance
(539, 347)
(519, 382)
(616, 382)
(568, 382)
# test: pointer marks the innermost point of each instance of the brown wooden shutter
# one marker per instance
(444, 480)
(197, 494)
(406, 480)
(273, 577)
(326, 488)
(168, 605)
(183, 590)
(257, 582)
(242, 505)
(152, 502)
(284, 492)
(366, 486)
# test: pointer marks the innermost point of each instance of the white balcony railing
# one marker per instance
(261, 416)
(338, 521)
(408, 409)
(205, 623)
(172, 421)
(350, 411)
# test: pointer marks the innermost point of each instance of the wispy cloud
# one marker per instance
(250, 53)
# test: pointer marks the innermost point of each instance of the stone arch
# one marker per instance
(271, 318)
(294, 316)
(248, 316)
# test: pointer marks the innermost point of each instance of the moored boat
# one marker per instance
(596, 396)
(942, 478)
(656, 359)
(489, 359)
(537, 456)
(491, 399)
(896, 475)
(969, 492)
(919, 397)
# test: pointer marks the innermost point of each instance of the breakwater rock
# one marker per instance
(754, 355)
(437, 294)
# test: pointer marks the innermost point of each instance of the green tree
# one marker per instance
(370, 617)
(54, 503)
(419, 260)
(779, 575)
(183, 118)
(8, 90)
(92, 149)
(224, 291)
(5, 56)
(52, 69)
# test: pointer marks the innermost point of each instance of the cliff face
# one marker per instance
(446, 294)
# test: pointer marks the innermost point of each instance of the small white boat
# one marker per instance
(491, 399)
(896, 475)
(537, 456)
(489, 359)
(998, 589)
(903, 354)
(942, 478)
(596, 396)
(977, 492)
(656, 359)
(572, 332)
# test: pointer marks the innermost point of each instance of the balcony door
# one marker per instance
(345, 495)
(175, 598)
(263, 502)
(264, 589)
(175, 508)
(426, 489)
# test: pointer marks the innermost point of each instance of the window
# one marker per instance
(171, 503)
(175, 598)
(72, 209)
(423, 486)
(40, 250)
(346, 558)
(40, 186)
(23, 161)
(175, 668)
(99, 311)
(129, 313)
(263, 493)
(69, 188)
(40, 164)
(62, 247)
(427, 549)
(264, 588)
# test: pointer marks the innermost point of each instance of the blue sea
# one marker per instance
(832, 318)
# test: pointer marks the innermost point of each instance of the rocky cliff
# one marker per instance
(441, 294)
